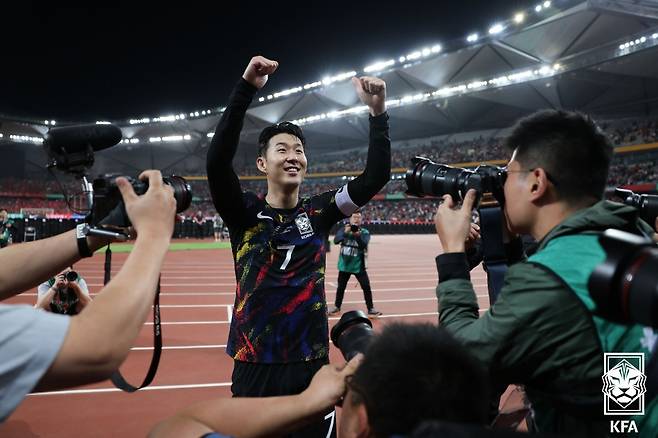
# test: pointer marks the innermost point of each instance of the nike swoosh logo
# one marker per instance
(260, 215)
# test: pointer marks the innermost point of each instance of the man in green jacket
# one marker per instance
(542, 331)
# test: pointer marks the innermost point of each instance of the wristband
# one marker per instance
(81, 236)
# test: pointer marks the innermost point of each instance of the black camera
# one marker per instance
(71, 276)
(107, 201)
(352, 334)
(625, 287)
(426, 177)
(647, 205)
(354, 228)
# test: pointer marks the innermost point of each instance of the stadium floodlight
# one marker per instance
(287, 92)
(379, 66)
(426, 52)
(496, 29)
(26, 139)
(187, 137)
(196, 113)
(547, 4)
(328, 80)
(519, 17)
(414, 55)
(654, 36)
(102, 122)
(436, 48)
(155, 140)
(402, 58)
(210, 134)
(472, 37)
(312, 85)
(538, 8)
(261, 99)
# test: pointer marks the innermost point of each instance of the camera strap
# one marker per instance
(495, 258)
(116, 378)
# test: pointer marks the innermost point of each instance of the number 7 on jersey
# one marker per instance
(290, 249)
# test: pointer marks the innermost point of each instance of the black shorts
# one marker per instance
(266, 380)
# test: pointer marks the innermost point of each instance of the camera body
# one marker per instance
(354, 228)
(107, 201)
(72, 276)
(426, 177)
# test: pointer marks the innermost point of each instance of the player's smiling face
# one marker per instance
(284, 162)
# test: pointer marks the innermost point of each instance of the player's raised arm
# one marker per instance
(372, 92)
(222, 179)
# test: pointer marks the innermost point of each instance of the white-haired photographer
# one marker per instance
(45, 351)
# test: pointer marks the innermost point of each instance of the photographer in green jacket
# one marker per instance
(542, 331)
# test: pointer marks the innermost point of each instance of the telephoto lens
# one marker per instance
(352, 334)
(71, 276)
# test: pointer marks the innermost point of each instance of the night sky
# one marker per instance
(121, 60)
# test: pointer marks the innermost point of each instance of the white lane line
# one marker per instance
(148, 388)
(192, 306)
(229, 312)
(181, 347)
(357, 289)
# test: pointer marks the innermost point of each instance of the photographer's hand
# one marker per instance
(453, 224)
(151, 214)
(258, 71)
(328, 384)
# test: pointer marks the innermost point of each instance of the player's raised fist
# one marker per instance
(258, 70)
(372, 92)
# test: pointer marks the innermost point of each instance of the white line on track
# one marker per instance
(148, 388)
(181, 347)
(229, 313)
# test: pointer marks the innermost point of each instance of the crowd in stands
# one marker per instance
(21, 193)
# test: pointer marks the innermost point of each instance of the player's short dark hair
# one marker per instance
(569, 146)
(280, 128)
(417, 372)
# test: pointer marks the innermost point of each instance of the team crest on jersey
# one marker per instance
(304, 225)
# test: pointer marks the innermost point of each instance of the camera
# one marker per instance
(352, 334)
(107, 197)
(624, 287)
(71, 150)
(354, 228)
(71, 276)
(647, 205)
(426, 177)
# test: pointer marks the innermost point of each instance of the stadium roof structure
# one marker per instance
(597, 56)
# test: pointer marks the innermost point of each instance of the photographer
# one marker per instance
(66, 293)
(542, 331)
(44, 351)
(410, 373)
(353, 240)
(6, 228)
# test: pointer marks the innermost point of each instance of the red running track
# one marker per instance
(197, 292)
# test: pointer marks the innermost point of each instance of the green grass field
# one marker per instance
(177, 246)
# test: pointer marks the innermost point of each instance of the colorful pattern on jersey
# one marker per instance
(280, 307)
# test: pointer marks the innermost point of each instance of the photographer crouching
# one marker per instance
(66, 293)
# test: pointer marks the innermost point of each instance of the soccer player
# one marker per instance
(279, 331)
